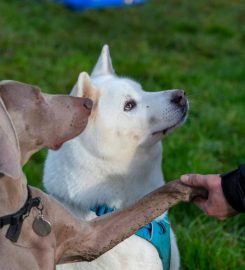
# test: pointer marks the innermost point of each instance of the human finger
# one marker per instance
(195, 180)
(200, 202)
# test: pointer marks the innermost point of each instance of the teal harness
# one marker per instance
(157, 233)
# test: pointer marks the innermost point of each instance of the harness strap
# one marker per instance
(16, 219)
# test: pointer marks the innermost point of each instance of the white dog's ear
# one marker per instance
(83, 86)
(104, 64)
(9, 146)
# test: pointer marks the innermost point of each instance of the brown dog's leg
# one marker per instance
(107, 231)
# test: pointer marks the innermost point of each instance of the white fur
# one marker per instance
(115, 161)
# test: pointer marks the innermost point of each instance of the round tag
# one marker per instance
(41, 226)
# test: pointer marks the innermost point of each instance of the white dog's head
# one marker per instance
(124, 116)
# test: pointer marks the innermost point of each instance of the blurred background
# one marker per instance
(193, 45)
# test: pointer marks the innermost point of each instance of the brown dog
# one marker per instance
(29, 121)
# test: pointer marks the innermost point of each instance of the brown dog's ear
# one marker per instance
(9, 146)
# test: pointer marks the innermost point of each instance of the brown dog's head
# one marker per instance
(42, 120)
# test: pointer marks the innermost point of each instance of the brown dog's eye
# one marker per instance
(129, 105)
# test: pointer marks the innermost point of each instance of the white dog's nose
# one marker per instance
(179, 98)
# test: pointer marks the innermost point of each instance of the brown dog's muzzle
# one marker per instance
(71, 117)
(87, 103)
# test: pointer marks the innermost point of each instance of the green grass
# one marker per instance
(195, 45)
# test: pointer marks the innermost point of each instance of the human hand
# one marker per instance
(216, 204)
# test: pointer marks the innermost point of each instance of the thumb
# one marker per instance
(195, 180)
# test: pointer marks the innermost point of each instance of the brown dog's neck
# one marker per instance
(27, 153)
(13, 194)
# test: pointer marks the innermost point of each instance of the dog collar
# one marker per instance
(157, 233)
(16, 219)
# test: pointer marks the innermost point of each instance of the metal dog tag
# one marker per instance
(41, 226)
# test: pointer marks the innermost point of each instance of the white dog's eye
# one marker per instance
(129, 105)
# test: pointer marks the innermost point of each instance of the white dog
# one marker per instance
(117, 160)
